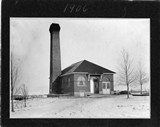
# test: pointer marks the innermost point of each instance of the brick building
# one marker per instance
(84, 78)
(80, 79)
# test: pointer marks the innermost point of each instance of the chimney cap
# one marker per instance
(54, 27)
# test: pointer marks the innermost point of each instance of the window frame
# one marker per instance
(108, 86)
(84, 81)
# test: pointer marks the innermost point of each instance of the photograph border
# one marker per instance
(91, 9)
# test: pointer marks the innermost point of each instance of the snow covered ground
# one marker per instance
(111, 106)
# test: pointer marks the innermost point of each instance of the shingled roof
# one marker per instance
(85, 66)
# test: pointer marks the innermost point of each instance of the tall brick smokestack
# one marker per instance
(55, 58)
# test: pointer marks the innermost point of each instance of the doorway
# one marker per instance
(94, 84)
(106, 87)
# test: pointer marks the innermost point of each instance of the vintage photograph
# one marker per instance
(80, 68)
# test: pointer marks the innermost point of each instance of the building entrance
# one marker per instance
(94, 84)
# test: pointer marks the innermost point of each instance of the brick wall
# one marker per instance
(67, 84)
(78, 87)
(55, 58)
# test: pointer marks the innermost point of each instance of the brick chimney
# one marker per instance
(55, 58)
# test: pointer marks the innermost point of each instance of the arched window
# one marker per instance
(105, 79)
(81, 81)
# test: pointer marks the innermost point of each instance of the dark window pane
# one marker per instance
(107, 85)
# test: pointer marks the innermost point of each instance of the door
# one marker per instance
(91, 86)
(96, 86)
(106, 87)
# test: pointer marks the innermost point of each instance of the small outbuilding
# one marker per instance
(85, 78)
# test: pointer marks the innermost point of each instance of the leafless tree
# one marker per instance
(142, 75)
(126, 70)
(15, 76)
(24, 91)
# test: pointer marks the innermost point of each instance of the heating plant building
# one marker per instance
(80, 79)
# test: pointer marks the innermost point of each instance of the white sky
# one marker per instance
(96, 40)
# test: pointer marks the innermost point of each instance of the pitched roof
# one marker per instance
(85, 66)
(71, 68)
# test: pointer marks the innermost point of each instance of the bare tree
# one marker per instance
(15, 76)
(126, 70)
(24, 91)
(142, 75)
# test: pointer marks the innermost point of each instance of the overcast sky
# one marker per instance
(97, 40)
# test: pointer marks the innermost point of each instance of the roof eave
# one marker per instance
(110, 73)
(73, 73)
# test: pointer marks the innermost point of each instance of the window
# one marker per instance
(108, 85)
(104, 85)
(105, 79)
(81, 81)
